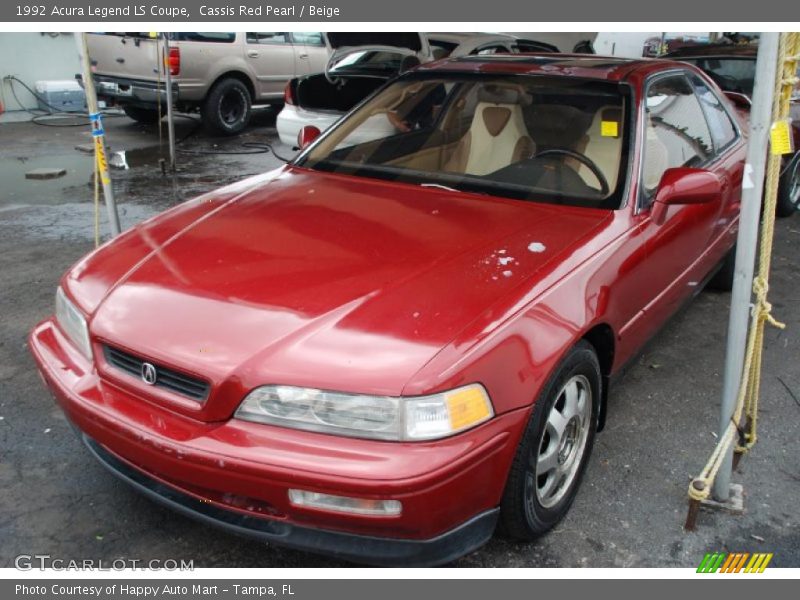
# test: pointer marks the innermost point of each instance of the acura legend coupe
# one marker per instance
(404, 338)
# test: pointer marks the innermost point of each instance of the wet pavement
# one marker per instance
(662, 416)
(139, 158)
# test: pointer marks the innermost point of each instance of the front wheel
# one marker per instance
(226, 109)
(789, 189)
(555, 448)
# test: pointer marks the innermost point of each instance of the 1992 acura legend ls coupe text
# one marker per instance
(400, 340)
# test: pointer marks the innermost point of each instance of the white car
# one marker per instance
(359, 65)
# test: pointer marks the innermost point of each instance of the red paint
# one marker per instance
(685, 185)
(327, 281)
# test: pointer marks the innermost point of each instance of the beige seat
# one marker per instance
(604, 150)
(656, 158)
(496, 138)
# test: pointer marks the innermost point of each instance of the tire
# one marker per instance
(148, 116)
(789, 189)
(227, 108)
(532, 504)
(723, 279)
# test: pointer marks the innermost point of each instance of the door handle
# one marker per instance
(252, 53)
(303, 55)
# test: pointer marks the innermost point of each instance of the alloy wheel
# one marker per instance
(556, 460)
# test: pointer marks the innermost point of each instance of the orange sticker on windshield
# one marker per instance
(609, 128)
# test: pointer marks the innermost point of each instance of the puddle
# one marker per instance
(16, 190)
(63, 208)
(142, 180)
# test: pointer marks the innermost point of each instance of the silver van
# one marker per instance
(220, 74)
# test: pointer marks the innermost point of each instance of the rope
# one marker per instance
(744, 434)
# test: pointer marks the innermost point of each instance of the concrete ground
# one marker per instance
(56, 500)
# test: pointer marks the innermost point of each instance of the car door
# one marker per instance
(311, 52)
(126, 55)
(271, 56)
(680, 241)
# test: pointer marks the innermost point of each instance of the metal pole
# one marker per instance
(746, 243)
(98, 133)
(170, 121)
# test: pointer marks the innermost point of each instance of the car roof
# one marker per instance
(741, 50)
(591, 66)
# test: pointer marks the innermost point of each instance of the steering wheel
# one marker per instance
(601, 179)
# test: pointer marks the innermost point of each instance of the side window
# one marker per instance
(267, 37)
(308, 38)
(676, 132)
(719, 121)
(204, 36)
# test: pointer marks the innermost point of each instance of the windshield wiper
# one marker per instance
(439, 186)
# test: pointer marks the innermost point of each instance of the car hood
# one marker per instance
(328, 281)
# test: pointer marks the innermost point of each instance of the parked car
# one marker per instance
(220, 74)
(445, 45)
(360, 64)
(385, 347)
(733, 68)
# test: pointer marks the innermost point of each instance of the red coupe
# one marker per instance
(406, 335)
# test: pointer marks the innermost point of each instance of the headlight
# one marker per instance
(73, 323)
(375, 417)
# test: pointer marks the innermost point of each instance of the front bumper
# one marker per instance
(237, 475)
(365, 549)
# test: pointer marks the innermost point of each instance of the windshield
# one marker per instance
(730, 74)
(544, 139)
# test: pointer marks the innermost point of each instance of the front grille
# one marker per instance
(167, 378)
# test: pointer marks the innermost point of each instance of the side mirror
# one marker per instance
(307, 135)
(685, 185)
(740, 101)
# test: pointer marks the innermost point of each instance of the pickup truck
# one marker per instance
(221, 75)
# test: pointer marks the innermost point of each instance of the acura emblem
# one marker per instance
(149, 373)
